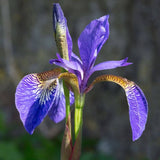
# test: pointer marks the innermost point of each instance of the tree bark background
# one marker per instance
(134, 33)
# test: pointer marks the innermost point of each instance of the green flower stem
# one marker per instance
(78, 121)
(67, 98)
(78, 117)
(66, 148)
(66, 93)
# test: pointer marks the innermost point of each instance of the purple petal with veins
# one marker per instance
(72, 66)
(33, 100)
(109, 65)
(138, 110)
(92, 39)
(38, 94)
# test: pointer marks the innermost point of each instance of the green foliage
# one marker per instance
(9, 151)
(95, 156)
(36, 147)
(2, 123)
(27, 147)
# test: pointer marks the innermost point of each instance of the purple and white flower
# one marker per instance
(38, 95)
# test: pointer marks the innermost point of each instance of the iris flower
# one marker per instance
(42, 94)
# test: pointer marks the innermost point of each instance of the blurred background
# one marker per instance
(26, 46)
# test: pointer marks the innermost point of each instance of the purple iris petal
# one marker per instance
(138, 106)
(138, 110)
(110, 65)
(58, 110)
(92, 39)
(58, 17)
(33, 100)
(69, 41)
(72, 66)
(75, 58)
(60, 27)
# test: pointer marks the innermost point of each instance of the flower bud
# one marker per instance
(59, 27)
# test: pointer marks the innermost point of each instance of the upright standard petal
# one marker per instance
(92, 39)
(138, 106)
(34, 96)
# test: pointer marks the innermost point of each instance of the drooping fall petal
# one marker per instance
(138, 106)
(57, 111)
(138, 109)
(92, 39)
(35, 95)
